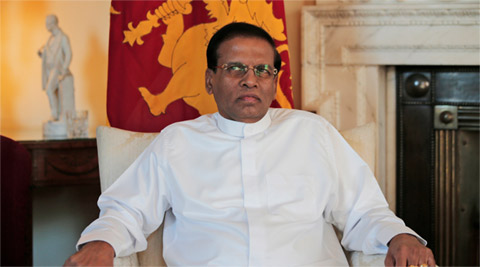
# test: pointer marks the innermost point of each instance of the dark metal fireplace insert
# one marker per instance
(438, 122)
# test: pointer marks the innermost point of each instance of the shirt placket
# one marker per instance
(253, 202)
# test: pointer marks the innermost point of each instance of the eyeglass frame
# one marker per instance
(253, 68)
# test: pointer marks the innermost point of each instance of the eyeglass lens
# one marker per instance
(239, 70)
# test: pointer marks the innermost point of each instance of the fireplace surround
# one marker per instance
(350, 53)
(350, 50)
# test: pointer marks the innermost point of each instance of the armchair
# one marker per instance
(117, 149)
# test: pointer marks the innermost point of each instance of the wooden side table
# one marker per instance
(63, 162)
(60, 163)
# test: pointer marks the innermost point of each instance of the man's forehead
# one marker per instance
(231, 46)
(243, 38)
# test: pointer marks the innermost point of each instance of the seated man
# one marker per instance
(248, 185)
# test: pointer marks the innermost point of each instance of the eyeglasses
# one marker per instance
(238, 70)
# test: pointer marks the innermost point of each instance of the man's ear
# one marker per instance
(275, 83)
(209, 81)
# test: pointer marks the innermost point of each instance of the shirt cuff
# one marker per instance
(386, 234)
(90, 237)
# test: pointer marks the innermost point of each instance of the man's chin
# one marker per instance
(252, 116)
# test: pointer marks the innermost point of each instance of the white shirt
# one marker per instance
(265, 193)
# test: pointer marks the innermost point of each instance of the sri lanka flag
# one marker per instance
(157, 62)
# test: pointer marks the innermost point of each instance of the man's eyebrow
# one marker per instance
(237, 62)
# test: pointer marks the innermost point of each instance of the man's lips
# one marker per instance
(249, 98)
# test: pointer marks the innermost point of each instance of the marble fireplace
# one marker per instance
(351, 51)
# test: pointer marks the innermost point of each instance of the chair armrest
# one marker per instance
(130, 261)
(357, 258)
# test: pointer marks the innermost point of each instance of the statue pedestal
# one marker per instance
(55, 130)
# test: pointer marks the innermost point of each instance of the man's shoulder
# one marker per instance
(202, 123)
(296, 115)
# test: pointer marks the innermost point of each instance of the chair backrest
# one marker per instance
(117, 149)
(362, 140)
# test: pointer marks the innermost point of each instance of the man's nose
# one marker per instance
(249, 79)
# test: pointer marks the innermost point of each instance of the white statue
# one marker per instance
(57, 80)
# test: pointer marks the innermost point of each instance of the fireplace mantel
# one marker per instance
(349, 49)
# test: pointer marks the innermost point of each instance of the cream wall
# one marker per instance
(24, 106)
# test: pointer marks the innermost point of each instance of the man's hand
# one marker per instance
(96, 253)
(406, 250)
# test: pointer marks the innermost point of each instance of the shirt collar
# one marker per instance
(241, 129)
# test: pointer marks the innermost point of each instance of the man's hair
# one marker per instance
(238, 29)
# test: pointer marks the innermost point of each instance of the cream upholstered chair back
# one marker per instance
(363, 140)
(117, 149)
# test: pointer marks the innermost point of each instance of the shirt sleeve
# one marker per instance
(357, 206)
(134, 205)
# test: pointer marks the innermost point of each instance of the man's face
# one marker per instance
(246, 98)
